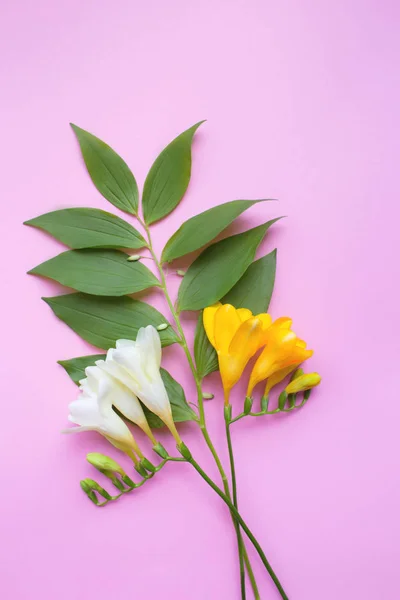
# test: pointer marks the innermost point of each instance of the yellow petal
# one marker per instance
(226, 323)
(277, 377)
(244, 314)
(283, 323)
(246, 340)
(296, 357)
(300, 343)
(281, 342)
(280, 345)
(265, 319)
(208, 321)
(261, 370)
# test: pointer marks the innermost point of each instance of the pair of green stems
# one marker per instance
(229, 499)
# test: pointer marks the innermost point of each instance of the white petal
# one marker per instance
(85, 411)
(149, 341)
(128, 404)
(114, 427)
(154, 397)
(77, 429)
(124, 344)
(119, 373)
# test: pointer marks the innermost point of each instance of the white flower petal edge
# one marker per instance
(136, 365)
(92, 411)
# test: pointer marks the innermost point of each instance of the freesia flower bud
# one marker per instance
(303, 383)
(90, 486)
(104, 463)
(264, 403)
(248, 403)
(282, 400)
(162, 326)
(134, 257)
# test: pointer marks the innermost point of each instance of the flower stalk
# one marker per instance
(200, 402)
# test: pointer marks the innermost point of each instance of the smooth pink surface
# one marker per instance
(302, 105)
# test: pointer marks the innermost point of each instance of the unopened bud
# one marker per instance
(134, 257)
(303, 383)
(162, 326)
(207, 396)
(90, 486)
(104, 463)
(264, 403)
(282, 400)
(181, 273)
(248, 403)
(228, 412)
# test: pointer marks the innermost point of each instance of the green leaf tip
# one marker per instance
(168, 178)
(108, 171)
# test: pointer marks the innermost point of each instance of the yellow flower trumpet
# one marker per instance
(283, 352)
(303, 383)
(236, 336)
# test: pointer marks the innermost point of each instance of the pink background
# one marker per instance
(301, 101)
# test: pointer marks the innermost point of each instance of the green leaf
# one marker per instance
(181, 411)
(89, 228)
(204, 354)
(109, 173)
(102, 321)
(75, 367)
(98, 272)
(201, 229)
(219, 267)
(254, 289)
(168, 178)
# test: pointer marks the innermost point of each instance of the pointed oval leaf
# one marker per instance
(108, 171)
(181, 411)
(102, 321)
(75, 367)
(254, 289)
(98, 272)
(89, 228)
(219, 267)
(168, 178)
(205, 355)
(203, 228)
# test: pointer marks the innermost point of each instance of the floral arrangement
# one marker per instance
(127, 385)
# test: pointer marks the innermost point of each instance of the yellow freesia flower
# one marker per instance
(283, 352)
(236, 336)
(303, 383)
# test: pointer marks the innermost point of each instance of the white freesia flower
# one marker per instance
(92, 411)
(121, 397)
(137, 366)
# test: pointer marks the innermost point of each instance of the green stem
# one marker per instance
(243, 525)
(244, 554)
(200, 401)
